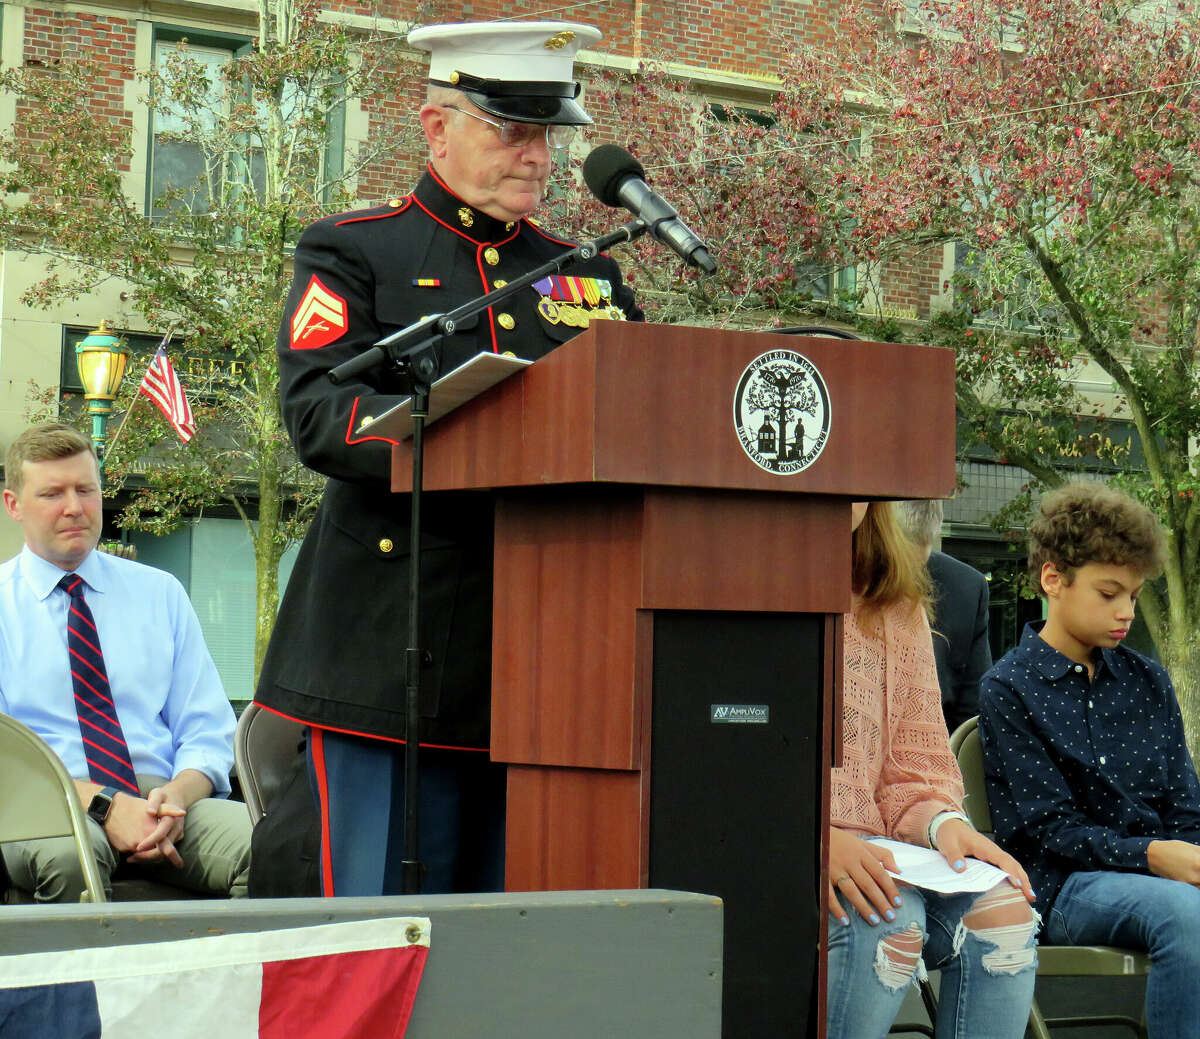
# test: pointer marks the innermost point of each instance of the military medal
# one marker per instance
(576, 301)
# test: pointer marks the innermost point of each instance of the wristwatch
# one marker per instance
(101, 804)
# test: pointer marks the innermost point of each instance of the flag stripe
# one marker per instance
(154, 958)
(50, 1010)
(161, 385)
(343, 995)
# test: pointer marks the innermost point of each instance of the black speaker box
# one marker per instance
(735, 799)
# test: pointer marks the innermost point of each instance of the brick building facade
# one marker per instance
(720, 45)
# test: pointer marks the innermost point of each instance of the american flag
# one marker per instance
(161, 385)
(356, 980)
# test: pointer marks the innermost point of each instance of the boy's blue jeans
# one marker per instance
(1148, 914)
(987, 978)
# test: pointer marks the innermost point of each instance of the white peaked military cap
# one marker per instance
(523, 71)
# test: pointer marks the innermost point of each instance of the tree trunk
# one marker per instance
(267, 553)
(1180, 651)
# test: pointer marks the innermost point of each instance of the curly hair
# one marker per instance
(887, 567)
(1085, 523)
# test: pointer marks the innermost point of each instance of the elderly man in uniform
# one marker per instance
(501, 101)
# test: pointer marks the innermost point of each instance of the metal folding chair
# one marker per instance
(264, 748)
(39, 799)
(1090, 961)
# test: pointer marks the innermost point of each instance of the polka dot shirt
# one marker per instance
(1083, 775)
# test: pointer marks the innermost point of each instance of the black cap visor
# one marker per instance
(549, 104)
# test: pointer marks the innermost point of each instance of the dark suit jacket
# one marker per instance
(336, 657)
(960, 635)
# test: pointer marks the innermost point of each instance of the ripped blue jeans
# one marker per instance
(984, 945)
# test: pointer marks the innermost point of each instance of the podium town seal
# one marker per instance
(781, 412)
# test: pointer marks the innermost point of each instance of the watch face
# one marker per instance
(100, 807)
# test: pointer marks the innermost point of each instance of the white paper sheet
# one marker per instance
(922, 867)
(452, 390)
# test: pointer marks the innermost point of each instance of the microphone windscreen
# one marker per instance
(605, 168)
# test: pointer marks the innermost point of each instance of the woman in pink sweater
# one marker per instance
(899, 779)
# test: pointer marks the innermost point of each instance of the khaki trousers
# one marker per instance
(215, 851)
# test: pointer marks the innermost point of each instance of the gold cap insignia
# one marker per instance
(490, 256)
(454, 78)
(559, 40)
(466, 217)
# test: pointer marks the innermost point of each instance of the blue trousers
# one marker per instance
(979, 996)
(1149, 914)
(358, 784)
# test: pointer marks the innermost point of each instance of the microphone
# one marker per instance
(616, 178)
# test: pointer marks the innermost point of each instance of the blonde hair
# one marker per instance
(887, 567)
(45, 443)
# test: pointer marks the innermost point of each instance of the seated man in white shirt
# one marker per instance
(104, 659)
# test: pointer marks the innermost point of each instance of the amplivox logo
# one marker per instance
(740, 713)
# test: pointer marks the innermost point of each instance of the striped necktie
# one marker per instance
(104, 744)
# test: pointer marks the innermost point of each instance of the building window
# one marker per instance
(819, 282)
(184, 174)
(928, 18)
(196, 163)
(1020, 308)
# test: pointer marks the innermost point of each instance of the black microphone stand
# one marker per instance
(411, 352)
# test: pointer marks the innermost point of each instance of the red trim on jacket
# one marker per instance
(557, 241)
(392, 211)
(317, 744)
(368, 735)
(484, 282)
(362, 440)
(551, 238)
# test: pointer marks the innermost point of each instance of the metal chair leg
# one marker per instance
(1037, 1023)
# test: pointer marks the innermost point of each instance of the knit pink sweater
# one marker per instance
(897, 769)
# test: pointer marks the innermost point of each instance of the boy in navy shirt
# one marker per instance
(1089, 779)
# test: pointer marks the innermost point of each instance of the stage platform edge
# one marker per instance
(513, 965)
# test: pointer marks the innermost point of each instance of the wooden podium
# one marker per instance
(667, 613)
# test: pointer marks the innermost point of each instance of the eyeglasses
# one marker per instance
(520, 135)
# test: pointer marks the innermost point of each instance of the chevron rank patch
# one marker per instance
(320, 318)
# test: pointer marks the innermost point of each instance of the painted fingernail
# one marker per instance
(873, 919)
(845, 921)
(890, 915)
(897, 901)
(959, 864)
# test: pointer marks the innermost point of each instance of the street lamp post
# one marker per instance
(101, 357)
